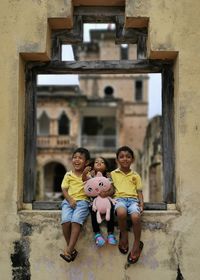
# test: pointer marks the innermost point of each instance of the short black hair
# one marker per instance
(125, 149)
(83, 151)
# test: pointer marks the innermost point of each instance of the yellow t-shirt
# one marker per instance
(126, 185)
(74, 185)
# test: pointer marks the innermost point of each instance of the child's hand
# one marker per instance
(92, 173)
(108, 175)
(87, 169)
(72, 202)
(103, 194)
(141, 207)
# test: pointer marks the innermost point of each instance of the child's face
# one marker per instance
(79, 162)
(125, 160)
(99, 165)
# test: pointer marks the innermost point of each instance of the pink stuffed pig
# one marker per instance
(101, 205)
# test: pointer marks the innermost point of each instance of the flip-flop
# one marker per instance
(130, 259)
(122, 250)
(74, 253)
(67, 258)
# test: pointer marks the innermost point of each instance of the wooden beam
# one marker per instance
(142, 46)
(98, 67)
(30, 138)
(95, 14)
(70, 36)
(99, 11)
(106, 3)
(128, 35)
(168, 148)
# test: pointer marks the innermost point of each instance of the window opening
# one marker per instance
(98, 121)
(63, 125)
(108, 91)
(99, 133)
(43, 124)
(155, 96)
(53, 175)
(138, 90)
(124, 51)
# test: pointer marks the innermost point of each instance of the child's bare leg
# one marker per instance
(135, 218)
(122, 222)
(66, 227)
(75, 231)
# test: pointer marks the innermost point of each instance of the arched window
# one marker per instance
(43, 124)
(108, 91)
(63, 125)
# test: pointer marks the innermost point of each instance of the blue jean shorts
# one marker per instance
(74, 215)
(130, 204)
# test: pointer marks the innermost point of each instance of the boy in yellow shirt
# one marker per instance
(129, 197)
(75, 206)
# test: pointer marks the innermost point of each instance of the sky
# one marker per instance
(67, 54)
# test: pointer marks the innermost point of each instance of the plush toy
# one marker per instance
(101, 205)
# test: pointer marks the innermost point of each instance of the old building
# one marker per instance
(151, 162)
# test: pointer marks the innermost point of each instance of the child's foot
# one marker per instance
(99, 240)
(69, 257)
(111, 239)
(74, 254)
(123, 243)
(134, 258)
(66, 256)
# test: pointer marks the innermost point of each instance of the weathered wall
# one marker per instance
(31, 241)
(169, 30)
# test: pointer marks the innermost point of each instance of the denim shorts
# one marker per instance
(130, 204)
(74, 215)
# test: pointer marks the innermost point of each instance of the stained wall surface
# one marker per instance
(32, 240)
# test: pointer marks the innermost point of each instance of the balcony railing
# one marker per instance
(99, 142)
(54, 141)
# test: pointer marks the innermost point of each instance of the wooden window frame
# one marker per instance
(139, 66)
(101, 67)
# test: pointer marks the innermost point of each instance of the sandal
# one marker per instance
(132, 259)
(111, 239)
(67, 257)
(122, 249)
(74, 254)
(99, 240)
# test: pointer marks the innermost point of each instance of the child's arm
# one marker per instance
(141, 201)
(85, 176)
(70, 199)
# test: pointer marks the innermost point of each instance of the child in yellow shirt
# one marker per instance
(129, 197)
(75, 206)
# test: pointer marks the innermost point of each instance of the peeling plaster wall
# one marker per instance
(173, 26)
(31, 240)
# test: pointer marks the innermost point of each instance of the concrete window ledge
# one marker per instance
(152, 220)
